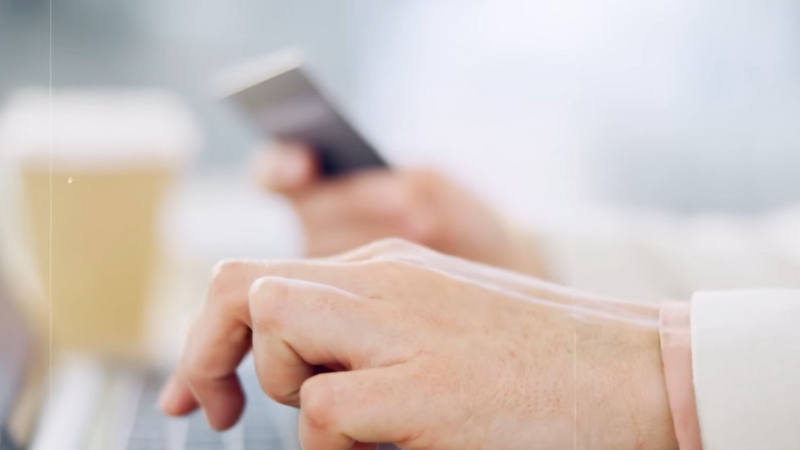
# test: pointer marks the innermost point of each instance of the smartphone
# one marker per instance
(284, 101)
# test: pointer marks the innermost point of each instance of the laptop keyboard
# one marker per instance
(264, 425)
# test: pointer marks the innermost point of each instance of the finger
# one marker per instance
(287, 167)
(233, 279)
(220, 338)
(298, 325)
(340, 409)
(176, 398)
(217, 342)
(377, 198)
(215, 348)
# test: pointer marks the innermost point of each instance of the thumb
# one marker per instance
(287, 167)
(341, 409)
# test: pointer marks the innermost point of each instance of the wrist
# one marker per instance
(631, 409)
(655, 429)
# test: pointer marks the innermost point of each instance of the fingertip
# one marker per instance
(224, 410)
(219, 423)
(305, 161)
(365, 446)
(224, 423)
(288, 167)
(176, 399)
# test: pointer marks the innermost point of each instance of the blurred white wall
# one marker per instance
(546, 103)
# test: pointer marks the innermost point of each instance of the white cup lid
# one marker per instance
(98, 129)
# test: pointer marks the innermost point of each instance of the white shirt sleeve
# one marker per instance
(746, 358)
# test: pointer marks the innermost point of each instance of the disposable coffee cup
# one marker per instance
(94, 169)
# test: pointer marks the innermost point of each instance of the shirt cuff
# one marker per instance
(676, 353)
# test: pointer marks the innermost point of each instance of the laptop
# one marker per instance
(83, 403)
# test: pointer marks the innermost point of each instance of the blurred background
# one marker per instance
(544, 107)
(686, 105)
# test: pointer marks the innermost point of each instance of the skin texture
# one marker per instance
(422, 206)
(396, 343)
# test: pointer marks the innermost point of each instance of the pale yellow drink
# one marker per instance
(92, 205)
(101, 265)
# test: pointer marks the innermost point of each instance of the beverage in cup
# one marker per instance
(95, 168)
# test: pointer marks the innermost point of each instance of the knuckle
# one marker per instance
(392, 255)
(227, 276)
(389, 246)
(226, 267)
(392, 271)
(318, 403)
(382, 265)
(268, 287)
(268, 298)
(400, 249)
(390, 249)
(406, 261)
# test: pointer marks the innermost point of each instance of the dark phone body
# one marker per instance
(288, 105)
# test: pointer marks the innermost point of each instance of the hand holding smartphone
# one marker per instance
(283, 100)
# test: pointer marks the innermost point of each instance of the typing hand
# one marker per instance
(418, 205)
(396, 343)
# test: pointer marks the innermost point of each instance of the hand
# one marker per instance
(418, 205)
(395, 343)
